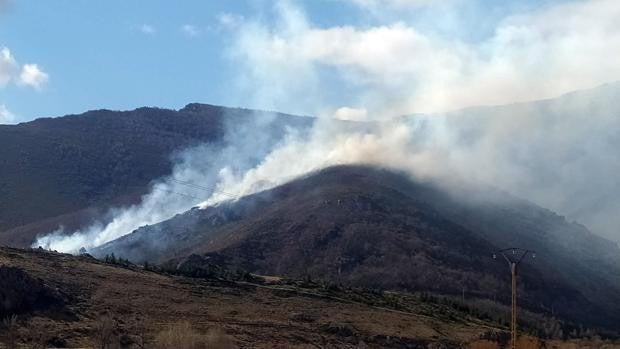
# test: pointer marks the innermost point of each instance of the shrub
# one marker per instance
(10, 328)
(183, 336)
(36, 334)
(104, 333)
(216, 338)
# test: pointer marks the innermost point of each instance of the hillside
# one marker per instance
(70, 170)
(369, 227)
(74, 294)
(67, 301)
(560, 153)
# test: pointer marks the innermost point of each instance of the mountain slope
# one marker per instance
(372, 227)
(68, 171)
(561, 153)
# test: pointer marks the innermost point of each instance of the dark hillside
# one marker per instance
(69, 170)
(364, 226)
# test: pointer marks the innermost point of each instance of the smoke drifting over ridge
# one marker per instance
(195, 175)
(562, 154)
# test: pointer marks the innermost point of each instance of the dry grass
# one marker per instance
(105, 337)
(483, 344)
(257, 317)
(528, 342)
(36, 334)
(183, 336)
(10, 328)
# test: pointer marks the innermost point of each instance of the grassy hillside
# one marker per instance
(61, 300)
(139, 304)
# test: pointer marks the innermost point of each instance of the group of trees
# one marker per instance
(112, 259)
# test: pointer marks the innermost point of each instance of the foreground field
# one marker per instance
(67, 301)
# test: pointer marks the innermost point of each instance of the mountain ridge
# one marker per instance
(98, 160)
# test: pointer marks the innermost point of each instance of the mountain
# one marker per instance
(561, 153)
(69, 171)
(370, 227)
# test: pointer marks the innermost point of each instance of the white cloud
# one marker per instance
(32, 76)
(229, 20)
(147, 29)
(375, 5)
(8, 67)
(6, 117)
(28, 75)
(190, 30)
(399, 69)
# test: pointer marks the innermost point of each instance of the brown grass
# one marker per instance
(183, 336)
(36, 334)
(105, 337)
(10, 332)
(483, 344)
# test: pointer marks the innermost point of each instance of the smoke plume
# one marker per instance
(560, 153)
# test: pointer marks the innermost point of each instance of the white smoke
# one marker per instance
(329, 143)
(195, 178)
(395, 68)
(166, 198)
(560, 154)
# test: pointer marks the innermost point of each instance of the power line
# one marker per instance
(514, 256)
(196, 186)
(177, 193)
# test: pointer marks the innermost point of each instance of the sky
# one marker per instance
(62, 57)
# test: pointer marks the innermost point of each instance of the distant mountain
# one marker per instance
(70, 170)
(375, 228)
(562, 153)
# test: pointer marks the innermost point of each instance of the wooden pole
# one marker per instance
(513, 322)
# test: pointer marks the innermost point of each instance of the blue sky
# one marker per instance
(122, 54)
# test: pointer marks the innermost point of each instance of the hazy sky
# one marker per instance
(62, 56)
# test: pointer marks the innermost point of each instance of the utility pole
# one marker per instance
(514, 256)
